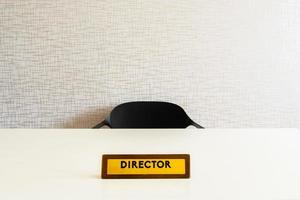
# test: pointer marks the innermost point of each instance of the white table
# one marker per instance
(225, 164)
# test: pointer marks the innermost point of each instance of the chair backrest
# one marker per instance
(143, 114)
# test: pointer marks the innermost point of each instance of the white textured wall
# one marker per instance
(229, 63)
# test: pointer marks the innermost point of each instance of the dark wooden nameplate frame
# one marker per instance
(105, 158)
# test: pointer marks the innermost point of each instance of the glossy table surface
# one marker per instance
(225, 163)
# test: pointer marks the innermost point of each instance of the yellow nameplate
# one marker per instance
(146, 166)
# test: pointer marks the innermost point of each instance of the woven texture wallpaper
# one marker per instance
(228, 63)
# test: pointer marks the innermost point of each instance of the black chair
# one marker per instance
(151, 114)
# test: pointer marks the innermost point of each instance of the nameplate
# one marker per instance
(142, 166)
